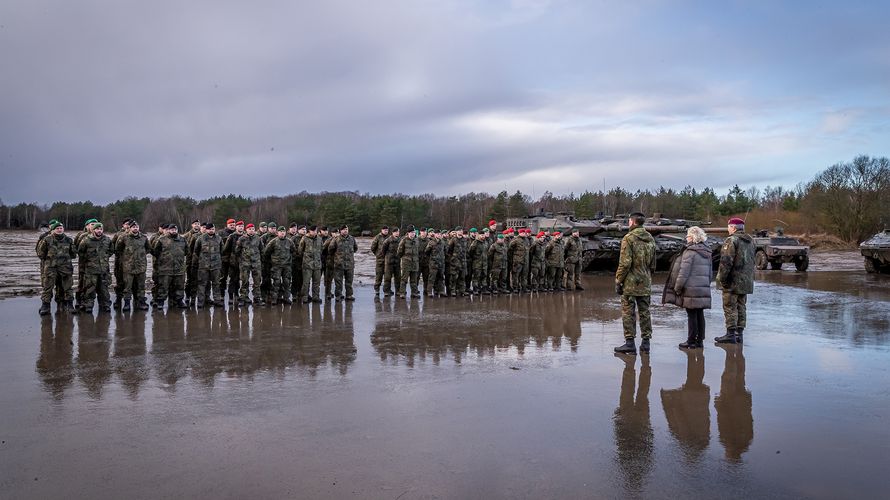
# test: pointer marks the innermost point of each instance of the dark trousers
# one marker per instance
(696, 323)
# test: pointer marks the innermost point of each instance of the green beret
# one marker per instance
(431, 230)
(97, 224)
(282, 228)
(54, 225)
(90, 221)
(500, 236)
(272, 224)
(52, 221)
(474, 230)
(263, 224)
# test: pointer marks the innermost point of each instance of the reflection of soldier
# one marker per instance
(735, 424)
(129, 355)
(93, 347)
(686, 409)
(633, 429)
(54, 361)
(167, 345)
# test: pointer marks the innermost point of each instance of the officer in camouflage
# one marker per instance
(56, 252)
(391, 272)
(133, 250)
(118, 265)
(574, 250)
(249, 251)
(377, 250)
(497, 264)
(435, 252)
(343, 248)
(94, 252)
(554, 252)
(87, 231)
(409, 263)
(735, 277)
(208, 250)
(232, 283)
(190, 275)
(169, 253)
(633, 282)
(310, 249)
(280, 253)
(537, 264)
(224, 272)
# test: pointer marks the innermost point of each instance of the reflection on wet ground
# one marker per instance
(498, 397)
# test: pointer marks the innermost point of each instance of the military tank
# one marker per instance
(876, 252)
(602, 237)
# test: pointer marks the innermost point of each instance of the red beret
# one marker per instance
(239, 223)
(540, 233)
(230, 221)
(492, 221)
(735, 221)
(511, 231)
(556, 232)
(505, 231)
(249, 225)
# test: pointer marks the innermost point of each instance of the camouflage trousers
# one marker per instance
(296, 282)
(498, 279)
(59, 282)
(479, 279)
(516, 276)
(379, 272)
(436, 280)
(424, 277)
(191, 283)
(118, 280)
(457, 280)
(247, 272)
(95, 285)
(280, 283)
(170, 287)
(554, 277)
(536, 277)
(343, 279)
(134, 287)
(328, 273)
(632, 307)
(234, 286)
(391, 276)
(573, 275)
(208, 281)
(735, 310)
(311, 277)
(409, 277)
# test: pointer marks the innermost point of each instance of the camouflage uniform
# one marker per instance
(391, 272)
(518, 253)
(735, 276)
(169, 253)
(265, 265)
(497, 263)
(537, 266)
(424, 272)
(555, 254)
(118, 267)
(280, 254)
(208, 250)
(435, 251)
(476, 254)
(94, 253)
(154, 266)
(635, 265)
(248, 253)
(56, 252)
(310, 248)
(133, 250)
(296, 268)
(380, 267)
(526, 271)
(343, 248)
(231, 282)
(226, 259)
(457, 264)
(327, 266)
(574, 248)
(78, 292)
(190, 268)
(409, 265)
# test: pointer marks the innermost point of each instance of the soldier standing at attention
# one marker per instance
(169, 252)
(56, 252)
(228, 255)
(435, 251)
(391, 272)
(476, 258)
(133, 249)
(518, 252)
(94, 251)
(40, 238)
(224, 270)
(409, 263)
(555, 254)
(377, 250)
(344, 247)
(208, 249)
(633, 282)
(310, 249)
(280, 252)
(574, 249)
(118, 265)
(265, 266)
(190, 283)
(327, 263)
(423, 273)
(497, 263)
(296, 267)
(537, 264)
(735, 276)
(248, 252)
(87, 231)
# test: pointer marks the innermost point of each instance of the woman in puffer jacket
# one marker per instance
(689, 285)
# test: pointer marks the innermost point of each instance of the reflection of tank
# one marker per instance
(876, 251)
(777, 249)
(602, 237)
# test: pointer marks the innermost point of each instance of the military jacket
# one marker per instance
(554, 252)
(422, 242)
(518, 251)
(114, 239)
(407, 252)
(95, 253)
(735, 273)
(636, 262)
(377, 245)
(537, 253)
(390, 250)
(208, 252)
(248, 250)
(230, 244)
(310, 248)
(133, 250)
(457, 252)
(170, 255)
(280, 251)
(476, 254)
(574, 248)
(435, 251)
(343, 249)
(497, 256)
(56, 252)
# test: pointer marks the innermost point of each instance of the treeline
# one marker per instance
(850, 200)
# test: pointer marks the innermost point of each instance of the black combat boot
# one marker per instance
(691, 343)
(729, 338)
(104, 308)
(142, 305)
(71, 308)
(126, 306)
(45, 308)
(86, 309)
(738, 335)
(644, 345)
(350, 298)
(629, 347)
(181, 305)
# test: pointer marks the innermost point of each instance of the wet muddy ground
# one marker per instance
(503, 397)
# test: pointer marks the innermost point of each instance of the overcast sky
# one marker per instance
(100, 100)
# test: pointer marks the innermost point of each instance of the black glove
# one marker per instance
(619, 288)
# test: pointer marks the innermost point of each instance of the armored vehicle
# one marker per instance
(602, 237)
(777, 249)
(876, 251)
